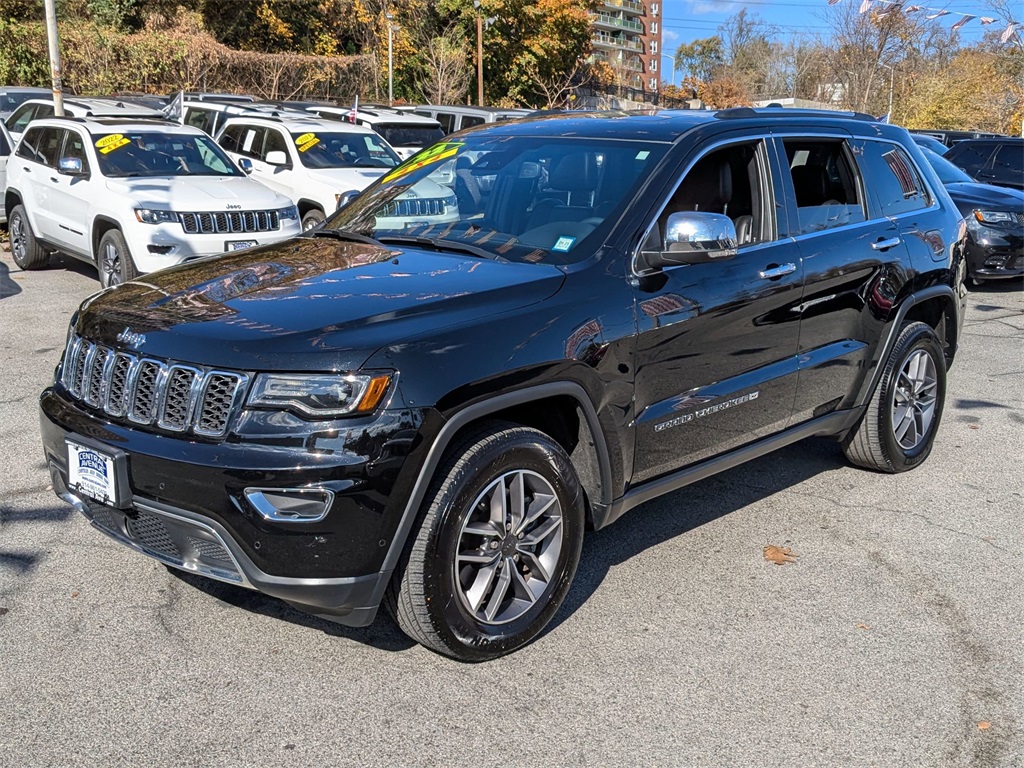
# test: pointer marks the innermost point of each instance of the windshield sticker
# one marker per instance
(108, 144)
(430, 156)
(563, 244)
(642, 155)
(306, 141)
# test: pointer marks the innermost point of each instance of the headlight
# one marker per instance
(321, 395)
(996, 217)
(292, 212)
(149, 216)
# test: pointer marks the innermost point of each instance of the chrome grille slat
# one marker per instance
(423, 206)
(220, 222)
(147, 392)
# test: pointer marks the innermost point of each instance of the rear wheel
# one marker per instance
(497, 546)
(899, 426)
(25, 249)
(313, 218)
(114, 261)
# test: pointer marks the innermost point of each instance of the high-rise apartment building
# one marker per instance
(627, 36)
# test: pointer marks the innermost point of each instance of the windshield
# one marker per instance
(10, 101)
(323, 149)
(151, 153)
(518, 198)
(945, 170)
(409, 136)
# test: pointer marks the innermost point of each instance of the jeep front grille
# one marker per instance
(423, 206)
(145, 391)
(231, 222)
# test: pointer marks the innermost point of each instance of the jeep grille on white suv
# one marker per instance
(232, 221)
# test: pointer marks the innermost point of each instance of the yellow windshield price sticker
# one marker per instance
(109, 143)
(304, 139)
(433, 155)
(309, 144)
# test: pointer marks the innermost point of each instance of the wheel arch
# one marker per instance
(11, 199)
(305, 205)
(545, 407)
(100, 226)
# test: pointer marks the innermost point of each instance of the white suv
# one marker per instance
(36, 109)
(317, 162)
(405, 132)
(133, 196)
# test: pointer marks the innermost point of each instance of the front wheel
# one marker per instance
(114, 261)
(312, 219)
(899, 426)
(497, 546)
(25, 249)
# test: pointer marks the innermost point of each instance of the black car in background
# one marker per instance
(991, 161)
(951, 137)
(930, 142)
(995, 222)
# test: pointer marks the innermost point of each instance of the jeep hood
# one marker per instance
(198, 193)
(307, 303)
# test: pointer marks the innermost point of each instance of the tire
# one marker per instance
(114, 261)
(25, 249)
(313, 218)
(455, 607)
(893, 437)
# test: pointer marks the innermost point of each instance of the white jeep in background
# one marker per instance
(318, 162)
(133, 196)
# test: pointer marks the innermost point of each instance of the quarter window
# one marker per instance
(826, 185)
(894, 178)
(447, 121)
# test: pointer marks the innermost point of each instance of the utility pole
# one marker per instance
(479, 57)
(391, 76)
(54, 47)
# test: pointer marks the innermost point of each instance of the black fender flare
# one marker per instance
(475, 412)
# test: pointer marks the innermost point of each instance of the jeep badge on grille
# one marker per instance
(130, 339)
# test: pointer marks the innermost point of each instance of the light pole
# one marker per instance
(481, 25)
(892, 81)
(391, 69)
(53, 46)
(673, 60)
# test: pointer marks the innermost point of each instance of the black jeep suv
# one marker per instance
(600, 310)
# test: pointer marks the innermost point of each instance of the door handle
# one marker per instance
(26, 170)
(884, 245)
(53, 179)
(780, 271)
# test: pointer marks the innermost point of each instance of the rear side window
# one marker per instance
(446, 120)
(203, 119)
(27, 147)
(970, 156)
(250, 142)
(826, 184)
(5, 148)
(232, 137)
(468, 121)
(894, 179)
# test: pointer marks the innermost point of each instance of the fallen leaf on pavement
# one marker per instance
(862, 626)
(984, 725)
(74, 594)
(973, 426)
(779, 555)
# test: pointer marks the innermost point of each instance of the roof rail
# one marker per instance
(737, 113)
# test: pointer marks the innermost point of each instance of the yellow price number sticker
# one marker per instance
(433, 155)
(309, 144)
(108, 144)
(306, 141)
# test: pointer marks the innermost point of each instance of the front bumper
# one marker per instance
(995, 255)
(184, 504)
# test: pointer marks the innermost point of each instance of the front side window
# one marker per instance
(231, 139)
(970, 156)
(1009, 161)
(447, 121)
(27, 147)
(324, 149)
(826, 184)
(74, 147)
(528, 199)
(894, 179)
(274, 142)
(731, 181)
(151, 153)
(48, 148)
(21, 117)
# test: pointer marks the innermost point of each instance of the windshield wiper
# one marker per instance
(341, 234)
(438, 244)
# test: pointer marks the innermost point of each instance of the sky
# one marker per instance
(687, 20)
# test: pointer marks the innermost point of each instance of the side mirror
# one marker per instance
(277, 157)
(347, 197)
(70, 166)
(245, 164)
(694, 237)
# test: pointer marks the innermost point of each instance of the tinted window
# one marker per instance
(232, 138)
(274, 142)
(203, 119)
(27, 147)
(970, 156)
(446, 120)
(250, 142)
(894, 179)
(150, 153)
(945, 170)
(409, 136)
(1009, 161)
(826, 184)
(48, 148)
(321, 149)
(21, 117)
(5, 148)
(74, 146)
(469, 121)
(8, 101)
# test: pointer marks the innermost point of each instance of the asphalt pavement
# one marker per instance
(893, 639)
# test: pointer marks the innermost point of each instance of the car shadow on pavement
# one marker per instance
(383, 634)
(691, 507)
(8, 287)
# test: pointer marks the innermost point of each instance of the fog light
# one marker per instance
(290, 505)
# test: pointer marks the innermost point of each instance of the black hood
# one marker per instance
(307, 304)
(969, 195)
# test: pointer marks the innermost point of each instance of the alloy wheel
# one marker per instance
(111, 265)
(508, 548)
(17, 233)
(913, 407)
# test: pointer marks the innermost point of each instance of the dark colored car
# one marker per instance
(995, 222)
(429, 415)
(991, 161)
(951, 137)
(11, 97)
(929, 142)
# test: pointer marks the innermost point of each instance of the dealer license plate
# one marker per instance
(238, 245)
(92, 472)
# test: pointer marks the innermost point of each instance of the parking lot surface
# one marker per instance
(893, 639)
